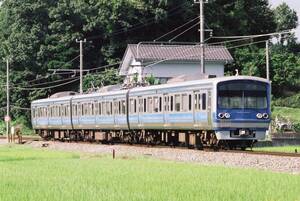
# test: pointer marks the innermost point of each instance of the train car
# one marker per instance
(223, 112)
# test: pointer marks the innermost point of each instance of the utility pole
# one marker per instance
(7, 118)
(202, 34)
(267, 60)
(81, 63)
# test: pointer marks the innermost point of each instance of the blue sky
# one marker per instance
(294, 4)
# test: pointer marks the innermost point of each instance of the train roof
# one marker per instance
(210, 81)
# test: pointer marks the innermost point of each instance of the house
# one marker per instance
(168, 61)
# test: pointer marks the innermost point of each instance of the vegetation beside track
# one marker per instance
(286, 149)
(34, 174)
(287, 112)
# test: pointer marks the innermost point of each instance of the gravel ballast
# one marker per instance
(240, 160)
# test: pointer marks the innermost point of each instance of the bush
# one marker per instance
(25, 126)
(296, 127)
(292, 101)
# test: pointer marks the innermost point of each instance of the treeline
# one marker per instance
(39, 35)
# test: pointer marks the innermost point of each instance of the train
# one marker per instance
(230, 112)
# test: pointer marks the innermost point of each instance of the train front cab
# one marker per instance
(242, 112)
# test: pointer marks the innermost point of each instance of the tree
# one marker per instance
(98, 80)
(285, 17)
(284, 66)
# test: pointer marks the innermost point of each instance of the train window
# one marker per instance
(166, 103)
(79, 110)
(117, 107)
(96, 108)
(160, 104)
(123, 107)
(177, 103)
(132, 106)
(171, 103)
(204, 101)
(68, 110)
(100, 108)
(62, 110)
(156, 104)
(141, 109)
(90, 109)
(197, 101)
(135, 106)
(74, 110)
(110, 111)
(190, 102)
(145, 105)
(184, 102)
(104, 108)
(150, 105)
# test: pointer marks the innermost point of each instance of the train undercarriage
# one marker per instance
(190, 139)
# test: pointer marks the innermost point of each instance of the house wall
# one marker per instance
(177, 69)
(168, 70)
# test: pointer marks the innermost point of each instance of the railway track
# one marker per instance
(252, 152)
(269, 153)
(25, 138)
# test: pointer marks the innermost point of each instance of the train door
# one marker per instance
(115, 112)
(209, 108)
(196, 106)
(166, 108)
(142, 105)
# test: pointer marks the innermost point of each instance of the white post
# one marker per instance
(202, 63)
(81, 64)
(7, 102)
(267, 60)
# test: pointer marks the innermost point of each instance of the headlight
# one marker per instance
(227, 115)
(259, 116)
(265, 116)
(221, 115)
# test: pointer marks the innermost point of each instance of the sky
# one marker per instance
(294, 4)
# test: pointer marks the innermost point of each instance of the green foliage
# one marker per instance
(287, 149)
(289, 113)
(291, 101)
(284, 66)
(40, 34)
(296, 127)
(20, 121)
(105, 78)
(39, 174)
(286, 18)
(152, 80)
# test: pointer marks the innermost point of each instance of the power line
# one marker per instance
(50, 87)
(56, 81)
(184, 31)
(188, 56)
(140, 24)
(176, 29)
(254, 36)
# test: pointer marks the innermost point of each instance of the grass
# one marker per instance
(288, 149)
(291, 113)
(29, 174)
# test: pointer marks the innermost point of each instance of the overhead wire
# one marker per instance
(50, 87)
(140, 24)
(184, 32)
(188, 56)
(175, 29)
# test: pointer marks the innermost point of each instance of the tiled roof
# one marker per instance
(179, 52)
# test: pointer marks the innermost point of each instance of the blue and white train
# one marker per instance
(226, 111)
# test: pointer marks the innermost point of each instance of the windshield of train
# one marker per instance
(242, 95)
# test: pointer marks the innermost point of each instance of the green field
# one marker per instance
(28, 174)
(288, 149)
(291, 113)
